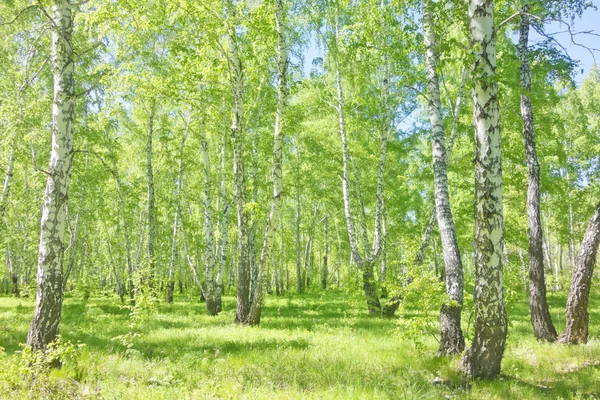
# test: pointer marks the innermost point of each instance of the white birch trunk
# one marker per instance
(276, 202)
(150, 207)
(365, 263)
(484, 358)
(451, 336)
(178, 184)
(237, 133)
(49, 294)
(224, 229)
(455, 120)
(210, 259)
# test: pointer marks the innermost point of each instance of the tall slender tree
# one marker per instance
(49, 294)
(543, 328)
(364, 263)
(277, 174)
(451, 337)
(484, 358)
(237, 134)
(150, 207)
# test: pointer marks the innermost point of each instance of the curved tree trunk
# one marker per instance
(451, 336)
(456, 115)
(49, 294)
(484, 358)
(577, 318)
(538, 306)
(371, 255)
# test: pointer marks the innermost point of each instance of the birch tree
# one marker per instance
(49, 294)
(484, 358)
(151, 198)
(364, 263)
(577, 316)
(451, 336)
(543, 328)
(237, 134)
(277, 173)
(209, 288)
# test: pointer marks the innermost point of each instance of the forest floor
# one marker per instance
(311, 346)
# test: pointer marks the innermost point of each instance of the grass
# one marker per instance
(311, 346)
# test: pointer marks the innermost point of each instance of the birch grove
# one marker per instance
(197, 166)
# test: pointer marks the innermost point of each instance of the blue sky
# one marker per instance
(589, 22)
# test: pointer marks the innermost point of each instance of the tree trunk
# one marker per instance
(12, 269)
(252, 227)
(324, 267)
(119, 285)
(125, 228)
(7, 180)
(484, 358)
(571, 234)
(277, 201)
(237, 133)
(178, 184)
(188, 257)
(150, 207)
(577, 318)
(451, 336)
(224, 228)
(210, 259)
(543, 328)
(366, 263)
(299, 281)
(73, 243)
(455, 121)
(49, 294)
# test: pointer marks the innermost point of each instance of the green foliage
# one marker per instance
(43, 373)
(422, 297)
(144, 306)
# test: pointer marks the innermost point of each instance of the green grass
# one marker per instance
(312, 346)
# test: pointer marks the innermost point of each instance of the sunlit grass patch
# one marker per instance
(313, 346)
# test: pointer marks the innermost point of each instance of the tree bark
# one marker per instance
(150, 206)
(49, 294)
(210, 259)
(125, 228)
(299, 281)
(484, 358)
(365, 263)
(451, 337)
(543, 328)
(178, 184)
(224, 228)
(324, 267)
(237, 133)
(577, 317)
(277, 173)
(455, 120)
